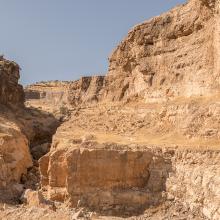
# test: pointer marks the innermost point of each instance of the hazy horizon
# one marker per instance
(64, 40)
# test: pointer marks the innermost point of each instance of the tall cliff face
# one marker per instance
(15, 157)
(175, 54)
(126, 156)
(172, 55)
(11, 93)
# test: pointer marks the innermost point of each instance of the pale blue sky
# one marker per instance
(66, 39)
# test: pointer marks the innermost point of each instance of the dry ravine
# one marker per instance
(141, 142)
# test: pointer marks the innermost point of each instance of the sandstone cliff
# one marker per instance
(148, 121)
(11, 93)
(144, 139)
(172, 55)
(21, 129)
(15, 156)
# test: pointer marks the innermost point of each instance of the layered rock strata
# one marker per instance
(125, 181)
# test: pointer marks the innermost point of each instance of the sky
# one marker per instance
(67, 39)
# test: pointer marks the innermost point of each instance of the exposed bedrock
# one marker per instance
(52, 92)
(172, 55)
(149, 122)
(107, 180)
(195, 181)
(121, 180)
(11, 93)
(20, 129)
(15, 157)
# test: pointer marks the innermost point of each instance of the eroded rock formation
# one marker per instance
(161, 92)
(15, 157)
(144, 139)
(11, 93)
(20, 130)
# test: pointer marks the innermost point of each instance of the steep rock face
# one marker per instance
(108, 178)
(85, 90)
(56, 94)
(168, 68)
(96, 148)
(15, 157)
(11, 93)
(49, 96)
(172, 55)
(175, 54)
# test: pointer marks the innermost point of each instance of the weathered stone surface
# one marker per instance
(172, 55)
(195, 182)
(85, 90)
(104, 179)
(126, 179)
(138, 137)
(20, 128)
(11, 93)
(53, 91)
(175, 54)
(15, 157)
(165, 74)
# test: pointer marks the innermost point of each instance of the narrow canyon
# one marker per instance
(141, 142)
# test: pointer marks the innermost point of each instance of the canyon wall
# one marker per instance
(15, 157)
(152, 122)
(11, 93)
(53, 92)
(107, 178)
(146, 134)
(172, 55)
(169, 56)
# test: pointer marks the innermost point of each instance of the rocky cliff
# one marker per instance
(15, 157)
(11, 93)
(21, 129)
(172, 55)
(149, 122)
(144, 139)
